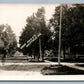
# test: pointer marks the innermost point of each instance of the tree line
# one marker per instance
(72, 29)
(8, 43)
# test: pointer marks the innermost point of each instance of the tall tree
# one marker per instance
(72, 24)
(35, 24)
(9, 39)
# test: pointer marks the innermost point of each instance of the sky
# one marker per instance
(15, 15)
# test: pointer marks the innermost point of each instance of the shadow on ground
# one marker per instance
(62, 70)
(80, 65)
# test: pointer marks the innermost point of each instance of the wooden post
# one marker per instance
(59, 50)
(41, 59)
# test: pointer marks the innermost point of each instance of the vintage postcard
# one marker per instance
(42, 42)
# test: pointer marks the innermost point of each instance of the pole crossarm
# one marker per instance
(30, 41)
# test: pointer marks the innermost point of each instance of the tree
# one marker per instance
(72, 25)
(9, 39)
(35, 24)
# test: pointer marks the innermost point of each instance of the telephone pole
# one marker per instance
(41, 58)
(60, 26)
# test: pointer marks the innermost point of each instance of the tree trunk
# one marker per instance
(64, 52)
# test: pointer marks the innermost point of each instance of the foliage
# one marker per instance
(72, 24)
(9, 39)
(35, 24)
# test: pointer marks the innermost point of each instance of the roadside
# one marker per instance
(31, 68)
(47, 63)
(72, 65)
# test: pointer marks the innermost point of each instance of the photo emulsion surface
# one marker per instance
(42, 42)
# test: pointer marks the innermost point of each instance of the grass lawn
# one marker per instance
(15, 61)
(44, 69)
(22, 67)
(54, 59)
(19, 59)
(61, 70)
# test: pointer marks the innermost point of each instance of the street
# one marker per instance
(26, 69)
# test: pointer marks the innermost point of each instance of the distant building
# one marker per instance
(76, 52)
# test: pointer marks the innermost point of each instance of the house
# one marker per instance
(74, 52)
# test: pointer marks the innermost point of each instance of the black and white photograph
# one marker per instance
(41, 42)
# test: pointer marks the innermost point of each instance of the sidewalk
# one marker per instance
(72, 65)
(47, 63)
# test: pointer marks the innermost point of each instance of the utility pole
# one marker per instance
(60, 26)
(41, 59)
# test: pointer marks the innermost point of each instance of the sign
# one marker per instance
(30, 41)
